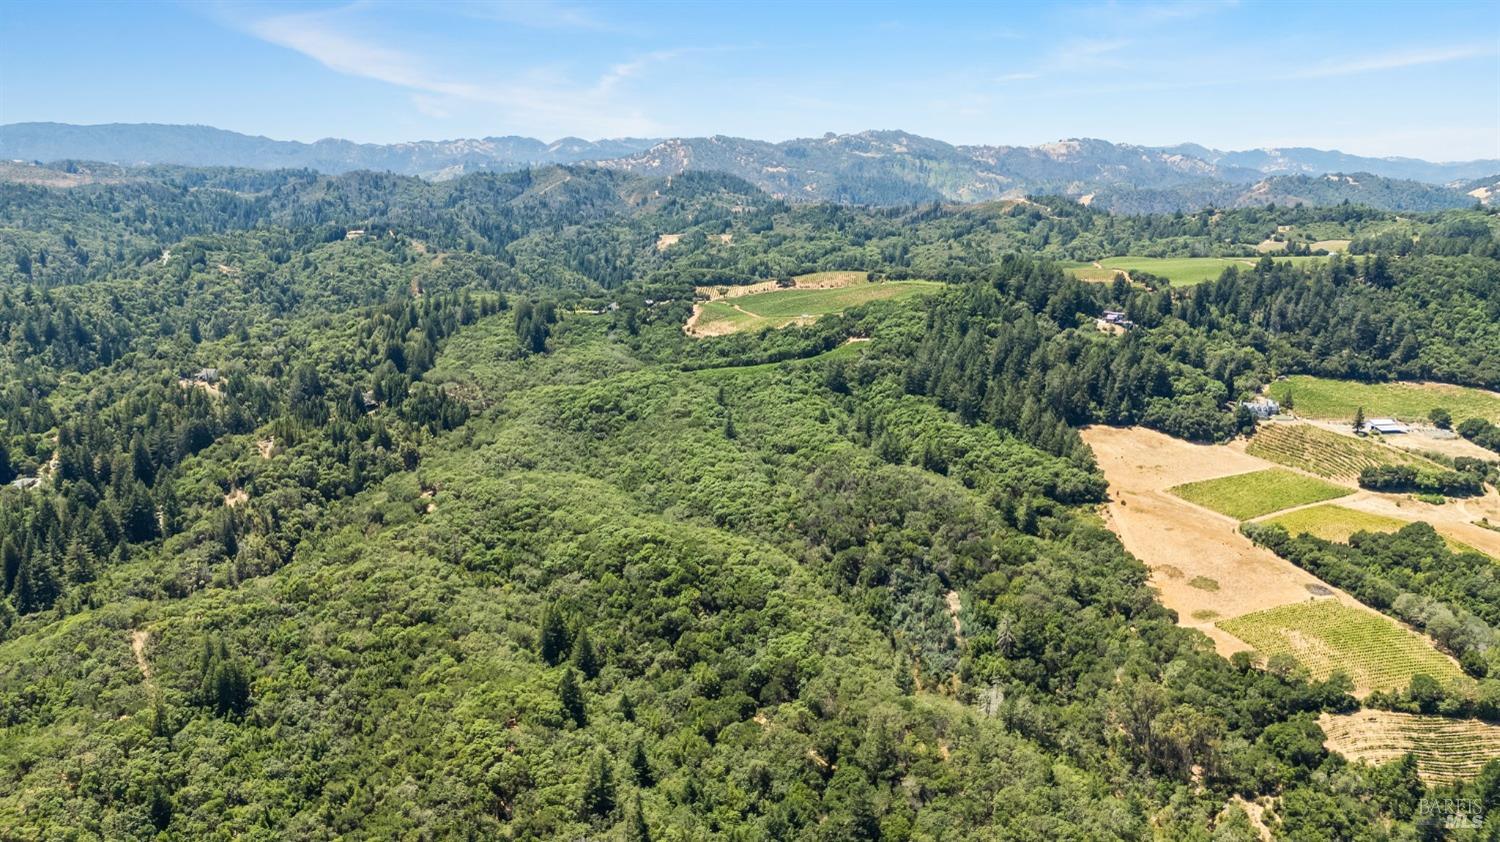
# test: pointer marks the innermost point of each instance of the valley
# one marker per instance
(507, 508)
(728, 422)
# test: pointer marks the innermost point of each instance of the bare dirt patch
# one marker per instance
(815, 280)
(666, 241)
(696, 328)
(139, 640)
(236, 497)
(1181, 542)
(267, 447)
(952, 600)
(211, 388)
(1257, 813)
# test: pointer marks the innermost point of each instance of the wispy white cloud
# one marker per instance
(537, 98)
(537, 14)
(1154, 12)
(1391, 61)
(638, 65)
(1212, 76)
(1077, 55)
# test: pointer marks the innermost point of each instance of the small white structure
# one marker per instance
(1386, 426)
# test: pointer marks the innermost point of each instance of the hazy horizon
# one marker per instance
(1226, 75)
(602, 138)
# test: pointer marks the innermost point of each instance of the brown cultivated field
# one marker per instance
(1182, 542)
(1189, 548)
(1447, 750)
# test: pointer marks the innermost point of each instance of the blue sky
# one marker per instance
(1419, 79)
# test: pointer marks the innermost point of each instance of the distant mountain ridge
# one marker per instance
(871, 167)
(1302, 160)
(205, 146)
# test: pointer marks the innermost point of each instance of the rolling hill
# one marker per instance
(871, 167)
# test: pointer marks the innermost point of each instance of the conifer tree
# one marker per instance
(599, 790)
(554, 637)
(570, 695)
(585, 658)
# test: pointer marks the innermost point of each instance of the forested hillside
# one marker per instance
(363, 506)
(870, 167)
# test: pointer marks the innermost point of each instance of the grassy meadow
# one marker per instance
(1181, 271)
(1321, 397)
(1250, 495)
(1326, 636)
(779, 308)
(1332, 522)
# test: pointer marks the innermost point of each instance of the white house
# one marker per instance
(1386, 426)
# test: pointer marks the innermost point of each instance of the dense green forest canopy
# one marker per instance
(366, 506)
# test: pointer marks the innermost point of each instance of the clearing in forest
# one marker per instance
(1447, 750)
(777, 308)
(1249, 495)
(1321, 397)
(1183, 544)
(1326, 636)
(1326, 453)
(1189, 549)
(1332, 522)
(1181, 271)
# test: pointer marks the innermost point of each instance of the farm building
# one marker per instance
(1262, 407)
(25, 483)
(207, 375)
(1117, 317)
(1387, 426)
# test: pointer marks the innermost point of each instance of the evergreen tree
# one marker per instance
(599, 789)
(1359, 419)
(141, 465)
(640, 765)
(585, 658)
(554, 637)
(138, 514)
(224, 682)
(159, 807)
(570, 696)
(637, 830)
(354, 406)
(10, 562)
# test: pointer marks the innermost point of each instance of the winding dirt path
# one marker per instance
(139, 640)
